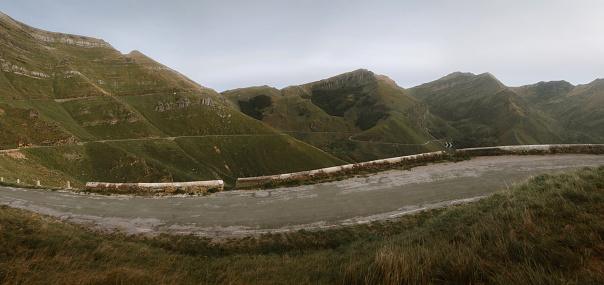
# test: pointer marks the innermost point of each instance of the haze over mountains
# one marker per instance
(127, 118)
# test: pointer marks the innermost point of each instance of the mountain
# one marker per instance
(579, 109)
(486, 112)
(356, 116)
(79, 110)
(125, 117)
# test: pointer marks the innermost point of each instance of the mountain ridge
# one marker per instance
(141, 119)
(356, 115)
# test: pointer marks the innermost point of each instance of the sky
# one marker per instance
(230, 44)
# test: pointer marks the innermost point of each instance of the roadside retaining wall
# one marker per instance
(260, 181)
(188, 187)
(531, 149)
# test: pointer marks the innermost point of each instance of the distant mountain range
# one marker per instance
(377, 118)
(126, 118)
(486, 112)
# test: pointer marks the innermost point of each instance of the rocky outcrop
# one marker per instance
(50, 37)
(7, 66)
(181, 103)
(80, 41)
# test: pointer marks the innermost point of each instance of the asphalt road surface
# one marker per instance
(238, 213)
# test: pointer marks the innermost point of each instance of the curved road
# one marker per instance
(357, 200)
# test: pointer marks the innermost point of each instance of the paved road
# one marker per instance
(384, 195)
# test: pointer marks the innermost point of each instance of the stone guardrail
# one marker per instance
(262, 181)
(169, 187)
(531, 149)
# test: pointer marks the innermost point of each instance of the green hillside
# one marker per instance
(579, 109)
(62, 90)
(356, 116)
(486, 112)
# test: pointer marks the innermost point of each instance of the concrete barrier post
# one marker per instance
(18, 181)
(38, 183)
(68, 185)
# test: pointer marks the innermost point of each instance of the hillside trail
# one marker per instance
(232, 135)
(144, 139)
(350, 138)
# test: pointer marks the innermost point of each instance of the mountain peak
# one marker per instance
(598, 81)
(447, 81)
(487, 75)
(458, 75)
(142, 58)
(359, 73)
(353, 77)
(136, 53)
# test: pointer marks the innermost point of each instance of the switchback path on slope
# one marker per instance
(145, 139)
(208, 136)
(362, 141)
(239, 213)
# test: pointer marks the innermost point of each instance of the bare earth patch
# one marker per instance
(15, 154)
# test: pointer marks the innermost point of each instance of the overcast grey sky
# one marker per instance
(227, 44)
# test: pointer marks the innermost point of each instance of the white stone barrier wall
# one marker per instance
(260, 181)
(531, 149)
(169, 187)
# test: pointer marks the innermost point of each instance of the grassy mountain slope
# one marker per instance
(579, 109)
(486, 112)
(356, 115)
(60, 89)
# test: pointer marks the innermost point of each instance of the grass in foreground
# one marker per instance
(548, 230)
